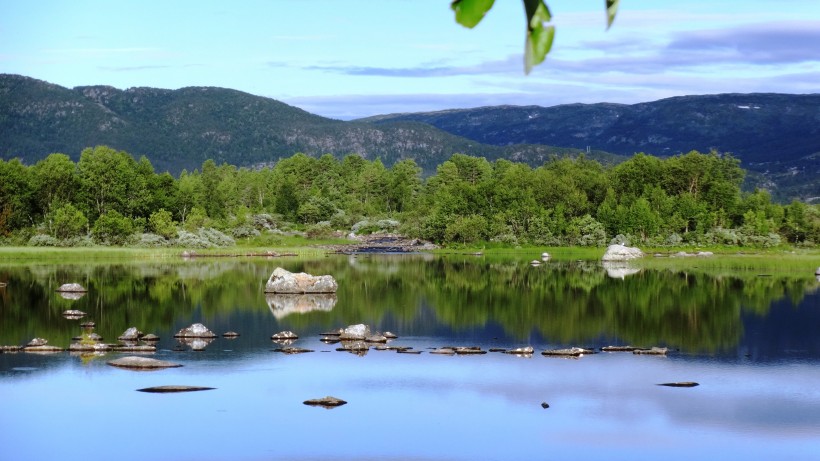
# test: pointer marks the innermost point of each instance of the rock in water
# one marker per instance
(142, 363)
(325, 402)
(355, 332)
(282, 281)
(131, 334)
(71, 288)
(172, 388)
(621, 253)
(196, 330)
(680, 384)
(37, 342)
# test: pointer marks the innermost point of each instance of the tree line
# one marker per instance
(109, 197)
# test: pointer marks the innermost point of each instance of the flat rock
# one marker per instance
(174, 388)
(134, 348)
(680, 384)
(44, 348)
(292, 350)
(377, 338)
(230, 334)
(618, 348)
(71, 288)
(283, 281)
(651, 351)
(528, 350)
(73, 313)
(196, 330)
(325, 402)
(571, 352)
(97, 347)
(88, 324)
(11, 348)
(142, 363)
(389, 335)
(443, 351)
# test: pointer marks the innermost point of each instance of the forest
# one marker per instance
(110, 198)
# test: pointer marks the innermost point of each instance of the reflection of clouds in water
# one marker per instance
(618, 269)
(282, 305)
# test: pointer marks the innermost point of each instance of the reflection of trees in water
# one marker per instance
(564, 302)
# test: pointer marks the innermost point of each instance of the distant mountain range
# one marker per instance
(776, 136)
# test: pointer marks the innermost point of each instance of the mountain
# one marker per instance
(775, 135)
(179, 129)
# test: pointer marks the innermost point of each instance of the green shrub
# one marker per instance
(112, 228)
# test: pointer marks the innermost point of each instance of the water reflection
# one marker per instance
(282, 305)
(561, 303)
(619, 270)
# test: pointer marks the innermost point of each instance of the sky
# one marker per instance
(346, 59)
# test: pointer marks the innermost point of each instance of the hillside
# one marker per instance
(179, 129)
(776, 135)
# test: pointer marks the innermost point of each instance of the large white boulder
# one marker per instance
(621, 253)
(282, 281)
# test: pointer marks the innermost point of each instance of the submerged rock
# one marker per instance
(680, 384)
(651, 351)
(621, 253)
(293, 350)
(283, 281)
(325, 402)
(571, 352)
(169, 389)
(142, 363)
(71, 288)
(150, 338)
(93, 347)
(196, 330)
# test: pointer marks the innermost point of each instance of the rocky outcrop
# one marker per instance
(621, 253)
(196, 330)
(142, 363)
(285, 282)
(71, 288)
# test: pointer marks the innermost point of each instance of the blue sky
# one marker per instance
(354, 58)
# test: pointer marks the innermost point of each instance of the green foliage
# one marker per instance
(162, 223)
(66, 222)
(112, 228)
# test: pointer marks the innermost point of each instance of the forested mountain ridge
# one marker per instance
(180, 129)
(774, 134)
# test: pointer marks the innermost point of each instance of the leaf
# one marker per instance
(470, 12)
(611, 10)
(539, 37)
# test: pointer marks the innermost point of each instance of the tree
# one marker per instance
(539, 35)
(66, 222)
(112, 228)
(162, 223)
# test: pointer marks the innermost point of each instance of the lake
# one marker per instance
(749, 336)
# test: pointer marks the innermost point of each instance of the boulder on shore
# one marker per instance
(621, 253)
(283, 281)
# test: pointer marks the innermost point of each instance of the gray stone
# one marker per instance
(651, 351)
(292, 350)
(150, 337)
(680, 384)
(355, 332)
(376, 338)
(704, 254)
(621, 253)
(94, 347)
(389, 335)
(196, 330)
(570, 352)
(528, 350)
(618, 348)
(37, 342)
(73, 313)
(817, 272)
(71, 288)
(142, 363)
(325, 402)
(284, 336)
(170, 389)
(283, 281)
(131, 334)
(230, 334)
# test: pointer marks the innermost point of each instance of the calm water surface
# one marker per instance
(751, 340)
